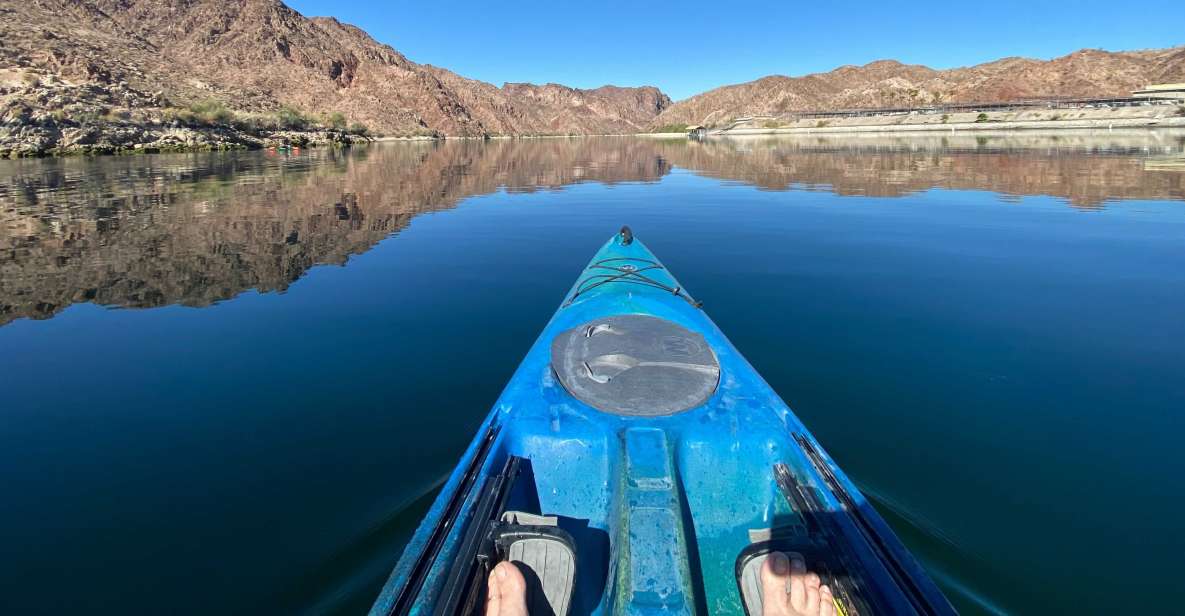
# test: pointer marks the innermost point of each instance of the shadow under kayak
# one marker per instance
(637, 463)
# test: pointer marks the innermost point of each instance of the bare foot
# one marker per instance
(507, 591)
(788, 589)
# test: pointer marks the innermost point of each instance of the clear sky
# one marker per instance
(688, 47)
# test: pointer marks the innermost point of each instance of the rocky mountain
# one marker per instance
(106, 75)
(258, 55)
(887, 83)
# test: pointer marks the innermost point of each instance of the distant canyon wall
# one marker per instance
(888, 83)
(78, 58)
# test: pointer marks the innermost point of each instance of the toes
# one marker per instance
(826, 601)
(812, 594)
(493, 595)
(798, 576)
(774, 575)
(510, 588)
(510, 579)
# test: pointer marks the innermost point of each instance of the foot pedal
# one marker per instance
(844, 587)
(546, 556)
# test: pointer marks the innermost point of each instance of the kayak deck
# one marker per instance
(663, 462)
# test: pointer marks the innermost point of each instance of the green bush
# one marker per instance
(336, 120)
(290, 118)
(945, 118)
(246, 124)
(254, 123)
(212, 112)
(671, 128)
(360, 129)
(981, 118)
(184, 117)
(821, 124)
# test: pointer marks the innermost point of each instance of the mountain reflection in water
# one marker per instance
(194, 229)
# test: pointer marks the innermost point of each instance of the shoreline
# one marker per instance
(50, 140)
(134, 139)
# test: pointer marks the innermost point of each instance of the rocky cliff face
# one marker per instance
(886, 83)
(256, 55)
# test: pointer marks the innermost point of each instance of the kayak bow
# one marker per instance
(637, 463)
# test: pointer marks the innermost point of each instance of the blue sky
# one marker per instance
(686, 48)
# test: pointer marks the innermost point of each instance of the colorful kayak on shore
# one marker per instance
(636, 463)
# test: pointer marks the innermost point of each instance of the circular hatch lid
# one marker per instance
(635, 365)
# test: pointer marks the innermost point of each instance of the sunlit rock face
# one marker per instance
(257, 55)
(887, 83)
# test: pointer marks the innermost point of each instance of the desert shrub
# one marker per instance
(336, 120)
(771, 124)
(291, 118)
(360, 129)
(1181, 110)
(982, 117)
(671, 128)
(1055, 117)
(184, 117)
(254, 122)
(247, 124)
(821, 124)
(212, 112)
(945, 118)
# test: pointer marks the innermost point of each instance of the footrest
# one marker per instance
(844, 587)
(546, 556)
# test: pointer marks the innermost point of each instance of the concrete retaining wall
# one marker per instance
(968, 127)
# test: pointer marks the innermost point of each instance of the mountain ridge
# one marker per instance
(93, 73)
(259, 55)
(890, 83)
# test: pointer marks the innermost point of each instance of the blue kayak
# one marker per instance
(636, 463)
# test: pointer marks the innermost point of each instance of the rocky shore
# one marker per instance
(66, 138)
(44, 115)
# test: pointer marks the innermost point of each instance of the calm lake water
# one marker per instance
(233, 382)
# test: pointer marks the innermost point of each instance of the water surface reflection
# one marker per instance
(198, 228)
(982, 331)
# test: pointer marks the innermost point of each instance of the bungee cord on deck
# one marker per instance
(627, 272)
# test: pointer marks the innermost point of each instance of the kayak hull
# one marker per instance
(664, 503)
